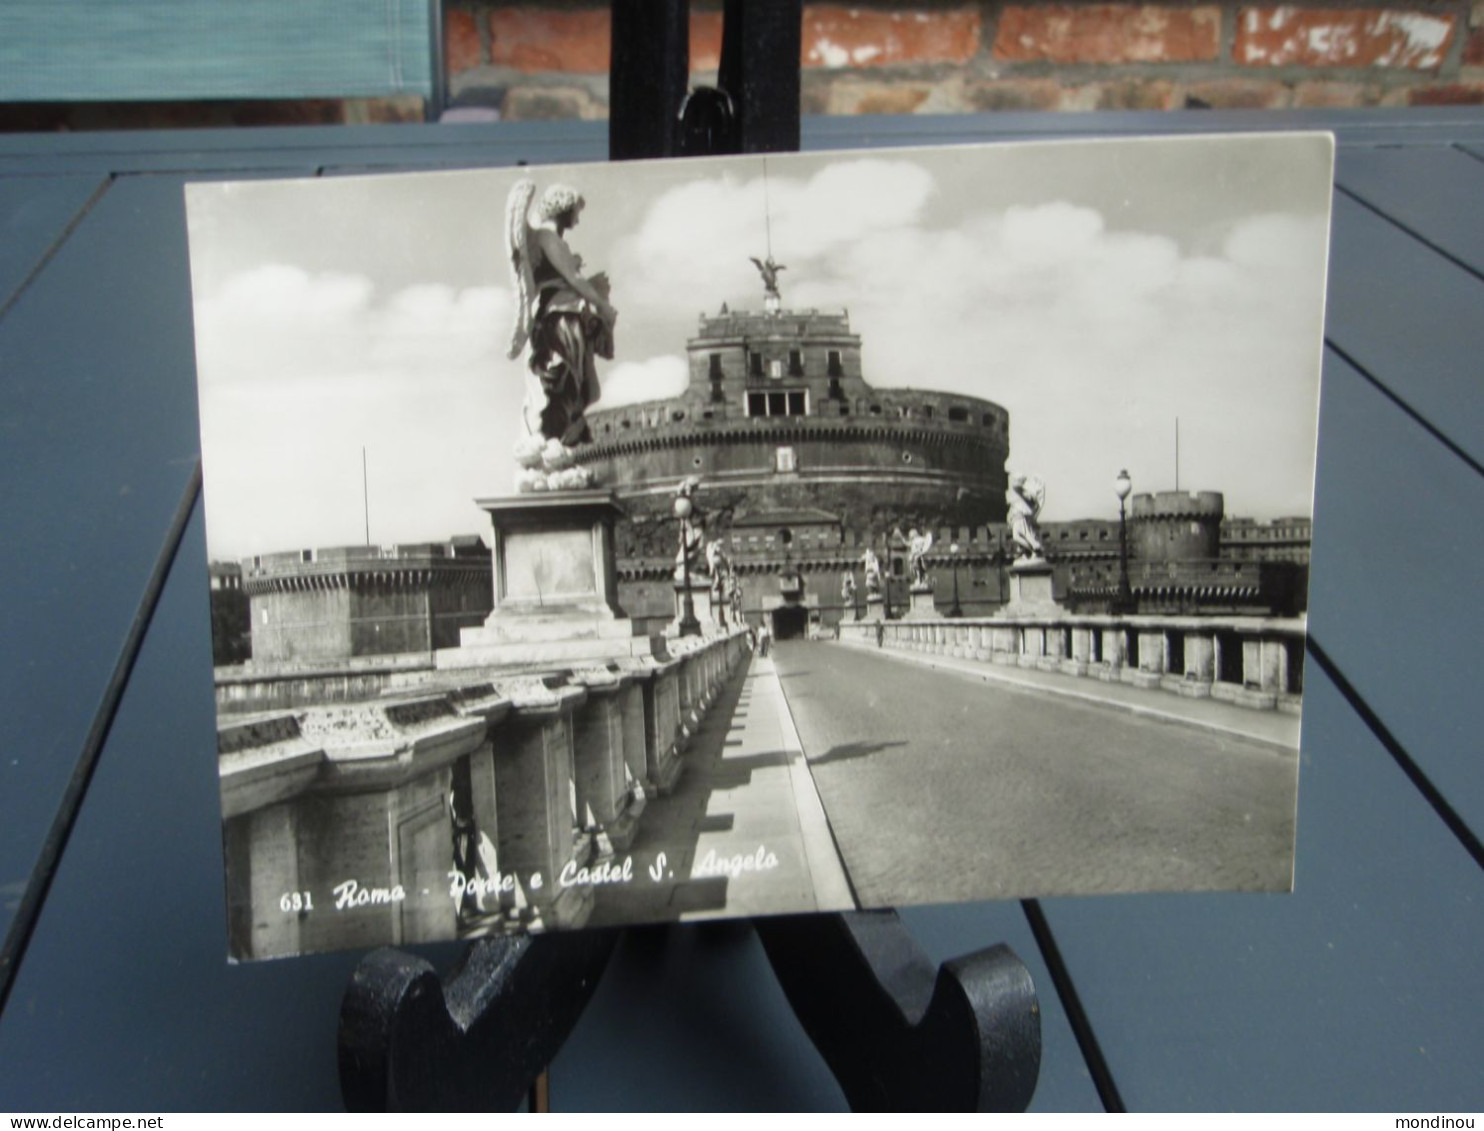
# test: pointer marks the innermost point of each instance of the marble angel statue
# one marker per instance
(566, 321)
(1024, 500)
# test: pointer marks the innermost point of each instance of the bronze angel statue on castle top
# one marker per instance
(564, 316)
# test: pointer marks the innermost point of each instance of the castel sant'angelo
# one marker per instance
(802, 463)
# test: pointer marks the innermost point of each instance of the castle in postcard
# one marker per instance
(804, 464)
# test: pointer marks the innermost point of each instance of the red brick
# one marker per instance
(1333, 94)
(1353, 37)
(1473, 50)
(461, 41)
(1014, 94)
(1450, 94)
(837, 36)
(536, 39)
(383, 111)
(1121, 94)
(1236, 94)
(705, 40)
(876, 97)
(1107, 33)
(547, 103)
(551, 104)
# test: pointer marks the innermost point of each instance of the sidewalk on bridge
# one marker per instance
(746, 796)
(1272, 728)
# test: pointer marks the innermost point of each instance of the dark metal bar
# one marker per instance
(648, 72)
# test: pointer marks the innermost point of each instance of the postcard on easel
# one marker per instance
(636, 543)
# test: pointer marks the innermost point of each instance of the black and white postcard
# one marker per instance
(645, 542)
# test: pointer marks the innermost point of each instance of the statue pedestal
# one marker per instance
(556, 587)
(875, 607)
(1031, 591)
(922, 607)
(700, 600)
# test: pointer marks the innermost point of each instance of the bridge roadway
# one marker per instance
(940, 786)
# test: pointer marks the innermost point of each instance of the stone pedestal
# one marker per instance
(555, 585)
(1031, 591)
(922, 607)
(875, 607)
(700, 599)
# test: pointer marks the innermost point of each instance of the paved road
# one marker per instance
(940, 787)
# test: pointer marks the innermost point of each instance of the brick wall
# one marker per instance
(550, 60)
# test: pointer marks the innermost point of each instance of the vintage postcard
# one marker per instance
(633, 543)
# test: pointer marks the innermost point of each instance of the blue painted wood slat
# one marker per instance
(1394, 579)
(100, 436)
(35, 215)
(1410, 319)
(1433, 191)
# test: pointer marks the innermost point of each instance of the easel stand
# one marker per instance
(898, 1032)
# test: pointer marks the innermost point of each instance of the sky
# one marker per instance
(351, 332)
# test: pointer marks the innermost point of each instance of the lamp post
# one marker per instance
(886, 581)
(1124, 601)
(689, 625)
(957, 610)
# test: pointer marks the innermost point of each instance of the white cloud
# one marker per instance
(693, 247)
(299, 372)
(633, 381)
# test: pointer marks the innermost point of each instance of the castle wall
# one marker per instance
(344, 602)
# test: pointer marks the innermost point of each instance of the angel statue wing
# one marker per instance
(517, 244)
(1035, 490)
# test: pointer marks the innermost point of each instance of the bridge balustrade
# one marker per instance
(1251, 661)
(355, 824)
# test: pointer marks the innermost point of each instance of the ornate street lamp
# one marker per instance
(684, 508)
(886, 581)
(957, 610)
(1123, 602)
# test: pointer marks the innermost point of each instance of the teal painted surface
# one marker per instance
(145, 50)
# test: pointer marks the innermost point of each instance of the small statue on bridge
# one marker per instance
(872, 565)
(566, 319)
(735, 592)
(847, 587)
(692, 529)
(918, 546)
(720, 568)
(1024, 500)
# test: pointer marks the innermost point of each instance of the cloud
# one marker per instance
(695, 241)
(633, 381)
(299, 372)
(278, 323)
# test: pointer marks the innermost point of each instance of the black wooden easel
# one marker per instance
(898, 1032)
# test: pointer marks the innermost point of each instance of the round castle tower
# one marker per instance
(1176, 526)
(778, 417)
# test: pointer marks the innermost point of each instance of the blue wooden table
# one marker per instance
(1363, 989)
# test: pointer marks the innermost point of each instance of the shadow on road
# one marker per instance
(849, 750)
(665, 846)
